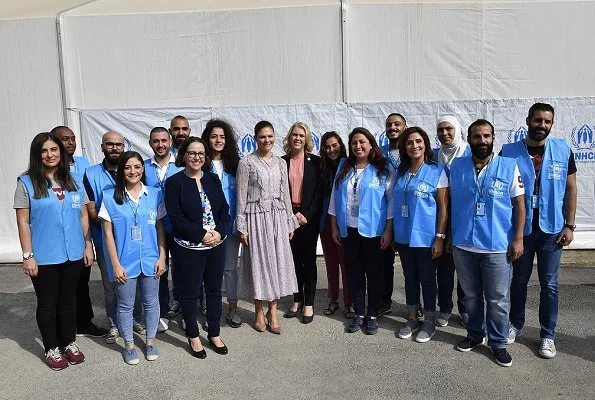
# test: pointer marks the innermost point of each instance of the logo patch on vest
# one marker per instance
(497, 188)
(423, 190)
(377, 183)
(76, 201)
(555, 171)
(152, 218)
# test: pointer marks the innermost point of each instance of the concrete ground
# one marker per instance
(316, 361)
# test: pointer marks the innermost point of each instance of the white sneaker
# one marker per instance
(138, 328)
(112, 335)
(547, 349)
(163, 325)
(513, 333)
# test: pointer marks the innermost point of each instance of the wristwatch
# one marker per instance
(27, 255)
(571, 227)
(441, 235)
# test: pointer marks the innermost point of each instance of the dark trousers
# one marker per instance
(84, 309)
(164, 282)
(418, 269)
(366, 270)
(192, 266)
(389, 276)
(303, 248)
(445, 272)
(55, 286)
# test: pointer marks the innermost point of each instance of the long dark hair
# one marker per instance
(375, 157)
(405, 159)
(230, 154)
(184, 147)
(328, 167)
(120, 190)
(36, 171)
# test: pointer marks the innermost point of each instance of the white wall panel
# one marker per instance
(242, 57)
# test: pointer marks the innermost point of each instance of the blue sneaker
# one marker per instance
(371, 326)
(130, 356)
(356, 324)
(152, 353)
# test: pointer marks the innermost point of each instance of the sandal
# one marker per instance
(333, 306)
(349, 311)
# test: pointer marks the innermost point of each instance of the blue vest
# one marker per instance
(552, 182)
(373, 204)
(494, 230)
(56, 229)
(152, 179)
(136, 256)
(228, 182)
(392, 162)
(100, 180)
(418, 229)
(79, 166)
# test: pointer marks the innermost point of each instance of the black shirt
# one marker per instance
(89, 189)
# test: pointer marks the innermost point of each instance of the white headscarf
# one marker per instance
(456, 149)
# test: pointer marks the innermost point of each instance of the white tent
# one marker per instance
(133, 64)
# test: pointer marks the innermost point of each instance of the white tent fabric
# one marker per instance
(322, 61)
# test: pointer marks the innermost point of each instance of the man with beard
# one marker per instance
(487, 220)
(84, 308)
(549, 172)
(157, 169)
(179, 129)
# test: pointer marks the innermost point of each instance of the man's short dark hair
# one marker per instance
(540, 107)
(480, 122)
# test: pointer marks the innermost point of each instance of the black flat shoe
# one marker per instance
(198, 354)
(292, 314)
(307, 319)
(219, 350)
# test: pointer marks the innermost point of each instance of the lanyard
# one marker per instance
(133, 207)
(160, 180)
(485, 177)
(356, 178)
(409, 179)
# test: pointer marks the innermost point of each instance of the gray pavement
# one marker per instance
(316, 361)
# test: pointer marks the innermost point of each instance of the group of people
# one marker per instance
(188, 209)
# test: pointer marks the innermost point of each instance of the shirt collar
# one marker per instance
(143, 190)
(172, 160)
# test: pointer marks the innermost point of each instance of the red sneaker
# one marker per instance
(73, 354)
(55, 360)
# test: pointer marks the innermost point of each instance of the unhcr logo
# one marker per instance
(497, 189)
(422, 190)
(518, 134)
(582, 140)
(127, 144)
(247, 144)
(316, 142)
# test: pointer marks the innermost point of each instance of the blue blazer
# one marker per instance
(184, 208)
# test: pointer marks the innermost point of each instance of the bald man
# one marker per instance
(179, 129)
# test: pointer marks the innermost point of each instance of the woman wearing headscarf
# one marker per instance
(452, 145)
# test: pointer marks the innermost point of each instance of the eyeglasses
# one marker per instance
(194, 154)
(111, 145)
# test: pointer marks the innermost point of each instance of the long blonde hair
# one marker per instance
(309, 146)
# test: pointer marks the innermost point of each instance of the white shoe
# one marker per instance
(112, 335)
(163, 325)
(547, 349)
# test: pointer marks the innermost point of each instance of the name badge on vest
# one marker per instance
(481, 209)
(136, 233)
(404, 210)
(534, 201)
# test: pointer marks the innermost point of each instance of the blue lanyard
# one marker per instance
(134, 208)
(159, 180)
(409, 179)
(485, 178)
(356, 178)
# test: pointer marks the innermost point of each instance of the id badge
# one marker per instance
(355, 211)
(481, 209)
(534, 201)
(136, 233)
(404, 210)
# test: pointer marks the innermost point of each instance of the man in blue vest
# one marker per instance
(179, 129)
(395, 124)
(96, 179)
(157, 169)
(84, 308)
(549, 172)
(487, 220)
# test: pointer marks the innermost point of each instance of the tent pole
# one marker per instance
(344, 51)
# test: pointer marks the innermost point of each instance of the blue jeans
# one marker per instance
(445, 273)
(418, 268)
(149, 290)
(548, 264)
(485, 275)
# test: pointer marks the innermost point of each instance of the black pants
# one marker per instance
(84, 309)
(56, 286)
(389, 276)
(445, 273)
(164, 282)
(303, 248)
(366, 270)
(192, 266)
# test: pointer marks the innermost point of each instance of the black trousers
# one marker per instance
(303, 248)
(192, 266)
(56, 286)
(445, 273)
(389, 276)
(366, 270)
(84, 309)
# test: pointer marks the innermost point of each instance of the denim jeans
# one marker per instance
(230, 271)
(445, 274)
(485, 275)
(548, 264)
(149, 291)
(418, 268)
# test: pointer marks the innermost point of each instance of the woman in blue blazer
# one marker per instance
(199, 216)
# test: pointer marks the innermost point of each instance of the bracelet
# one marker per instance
(571, 227)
